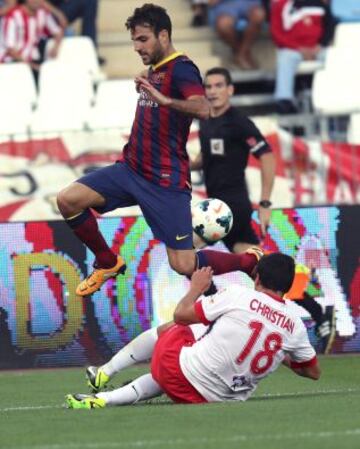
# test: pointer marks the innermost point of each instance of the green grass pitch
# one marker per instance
(287, 412)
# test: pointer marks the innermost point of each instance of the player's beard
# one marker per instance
(157, 55)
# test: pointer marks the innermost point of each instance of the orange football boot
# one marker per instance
(98, 277)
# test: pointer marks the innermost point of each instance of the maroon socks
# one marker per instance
(86, 229)
(222, 262)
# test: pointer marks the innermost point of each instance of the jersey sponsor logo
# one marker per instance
(145, 100)
(241, 382)
(181, 237)
(217, 147)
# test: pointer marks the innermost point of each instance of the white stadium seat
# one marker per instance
(115, 105)
(65, 96)
(17, 97)
(341, 59)
(347, 35)
(353, 136)
(80, 50)
(336, 92)
(309, 67)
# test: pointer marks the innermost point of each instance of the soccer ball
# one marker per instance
(212, 220)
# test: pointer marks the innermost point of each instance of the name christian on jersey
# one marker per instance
(274, 316)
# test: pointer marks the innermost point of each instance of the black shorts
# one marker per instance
(241, 231)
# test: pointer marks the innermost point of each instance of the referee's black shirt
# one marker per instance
(226, 142)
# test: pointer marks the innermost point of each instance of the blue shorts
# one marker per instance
(167, 212)
(237, 9)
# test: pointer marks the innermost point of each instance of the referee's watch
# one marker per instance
(265, 203)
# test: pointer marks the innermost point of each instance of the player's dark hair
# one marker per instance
(152, 16)
(220, 71)
(276, 272)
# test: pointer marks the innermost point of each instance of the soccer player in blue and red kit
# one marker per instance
(154, 172)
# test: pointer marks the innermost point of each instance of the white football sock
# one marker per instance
(140, 389)
(138, 350)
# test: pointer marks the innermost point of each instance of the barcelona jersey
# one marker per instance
(157, 145)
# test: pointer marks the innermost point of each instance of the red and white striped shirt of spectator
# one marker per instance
(22, 31)
(301, 23)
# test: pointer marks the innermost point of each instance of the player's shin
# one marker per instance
(140, 389)
(85, 227)
(138, 350)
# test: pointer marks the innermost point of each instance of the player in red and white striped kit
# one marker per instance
(249, 333)
(22, 29)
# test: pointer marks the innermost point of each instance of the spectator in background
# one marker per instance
(23, 28)
(67, 11)
(301, 29)
(225, 15)
(5, 6)
(200, 9)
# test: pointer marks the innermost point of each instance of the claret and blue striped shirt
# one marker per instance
(157, 144)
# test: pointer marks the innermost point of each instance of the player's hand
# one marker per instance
(143, 84)
(143, 74)
(264, 218)
(201, 279)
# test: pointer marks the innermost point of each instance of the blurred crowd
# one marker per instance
(300, 29)
(26, 26)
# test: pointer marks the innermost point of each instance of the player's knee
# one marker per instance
(183, 266)
(224, 24)
(257, 15)
(65, 203)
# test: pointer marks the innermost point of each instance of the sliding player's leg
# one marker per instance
(141, 389)
(138, 350)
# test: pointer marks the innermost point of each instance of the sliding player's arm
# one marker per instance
(310, 369)
(185, 312)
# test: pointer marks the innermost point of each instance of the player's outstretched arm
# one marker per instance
(185, 311)
(196, 163)
(309, 369)
(196, 106)
(267, 168)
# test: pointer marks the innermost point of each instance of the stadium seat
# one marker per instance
(115, 105)
(80, 50)
(309, 67)
(347, 34)
(339, 59)
(353, 135)
(65, 96)
(336, 92)
(346, 10)
(17, 97)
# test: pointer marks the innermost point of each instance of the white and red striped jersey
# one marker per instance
(22, 32)
(249, 334)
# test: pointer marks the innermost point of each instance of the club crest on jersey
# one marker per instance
(157, 78)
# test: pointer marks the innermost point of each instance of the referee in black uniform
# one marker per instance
(227, 138)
